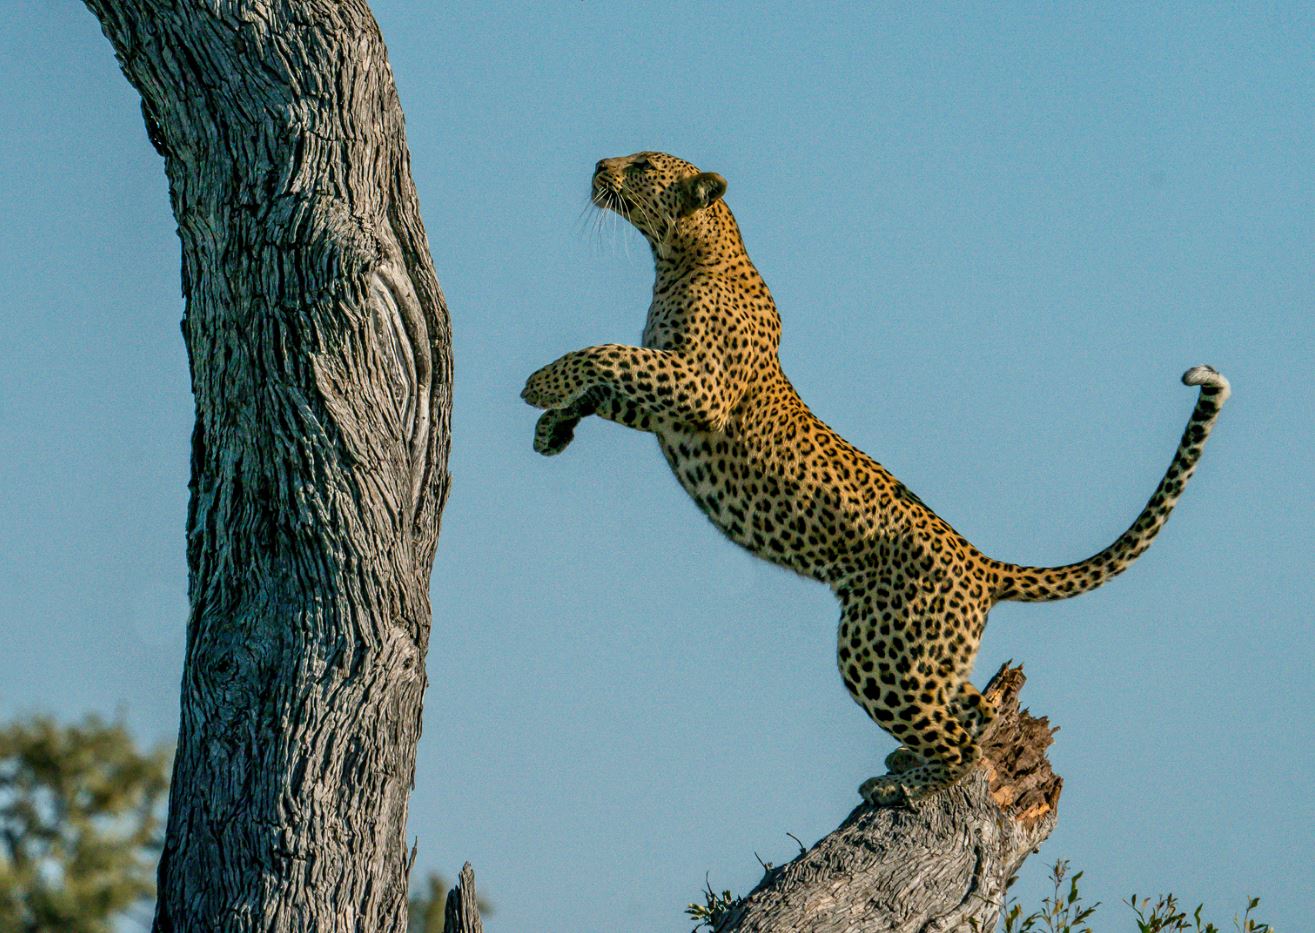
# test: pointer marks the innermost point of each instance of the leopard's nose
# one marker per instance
(600, 166)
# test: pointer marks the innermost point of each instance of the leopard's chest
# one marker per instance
(678, 318)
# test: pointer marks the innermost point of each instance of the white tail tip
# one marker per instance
(1206, 376)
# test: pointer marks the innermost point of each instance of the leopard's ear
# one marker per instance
(703, 190)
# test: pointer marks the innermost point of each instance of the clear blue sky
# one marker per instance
(997, 234)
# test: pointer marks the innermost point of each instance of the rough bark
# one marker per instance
(940, 864)
(319, 351)
(461, 912)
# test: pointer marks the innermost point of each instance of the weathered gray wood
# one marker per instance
(939, 865)
(461, 912)
(318, 341)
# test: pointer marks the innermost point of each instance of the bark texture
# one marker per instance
(940, 864)
(461, 912)
(319, 348)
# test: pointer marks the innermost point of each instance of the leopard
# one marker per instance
(775, 479)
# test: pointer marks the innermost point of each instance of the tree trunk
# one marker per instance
(938, 865)
(320, 362)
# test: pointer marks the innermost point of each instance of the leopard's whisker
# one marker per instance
(581, 219)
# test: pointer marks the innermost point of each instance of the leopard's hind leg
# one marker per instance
(972, 709)
(969, 707)
(903, 661)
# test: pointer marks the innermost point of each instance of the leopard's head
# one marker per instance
(662, 196)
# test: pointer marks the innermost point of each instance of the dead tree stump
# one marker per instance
(939, 864)
(461, 913)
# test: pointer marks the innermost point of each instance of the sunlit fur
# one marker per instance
(914, 594)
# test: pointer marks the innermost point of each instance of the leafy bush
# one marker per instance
(1064, 912)
(80, 824)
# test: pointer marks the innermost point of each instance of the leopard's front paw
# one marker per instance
(554, 432)
(550, 388)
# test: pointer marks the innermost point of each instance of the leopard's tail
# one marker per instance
(1040, 584)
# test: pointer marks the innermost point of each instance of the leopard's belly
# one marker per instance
(805, 505)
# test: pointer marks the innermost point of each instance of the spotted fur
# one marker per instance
(914, 594)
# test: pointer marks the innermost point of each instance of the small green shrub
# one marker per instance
(1064, 912)
(713, 909)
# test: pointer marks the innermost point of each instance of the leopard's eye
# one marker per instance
(638, 165)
